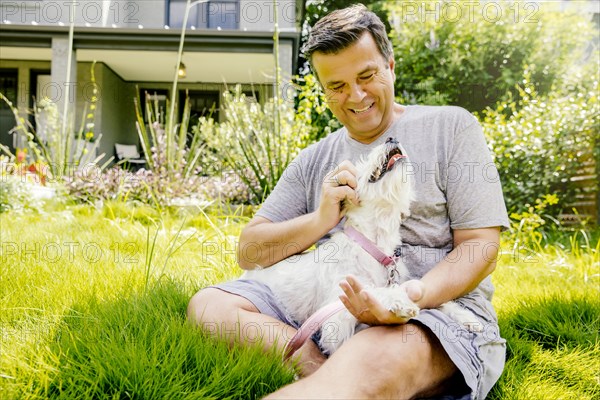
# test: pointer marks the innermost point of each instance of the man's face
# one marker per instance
(359, 84)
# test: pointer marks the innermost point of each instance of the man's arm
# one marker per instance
(472, 259)
(263, 242)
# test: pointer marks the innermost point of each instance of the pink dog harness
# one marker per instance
(315, 321)
(369, 246)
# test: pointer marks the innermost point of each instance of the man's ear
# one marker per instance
(392, 65)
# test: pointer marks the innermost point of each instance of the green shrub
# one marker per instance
(312, 110)
(472, 53)
(256, 142)
(540, 142)
(13, 193)
(92, 185)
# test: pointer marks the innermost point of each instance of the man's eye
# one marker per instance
(337, 88)
(367, 77)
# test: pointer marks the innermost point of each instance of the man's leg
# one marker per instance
(382, 362)
(236, 319)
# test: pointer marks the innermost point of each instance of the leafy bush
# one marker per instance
(312, 110)
(527, 225)
(227, 187)
(14, 193)
(20, 189)
(472, 53)
(90, 185)
(256, 142)
(540, 142)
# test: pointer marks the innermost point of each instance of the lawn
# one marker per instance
(93, 306)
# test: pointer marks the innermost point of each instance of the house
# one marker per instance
(135, 45)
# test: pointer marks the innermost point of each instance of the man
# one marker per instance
(450, 242)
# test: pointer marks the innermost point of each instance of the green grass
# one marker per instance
(93, 306)
(548, 304)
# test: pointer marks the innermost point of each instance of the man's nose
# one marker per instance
(357, 93)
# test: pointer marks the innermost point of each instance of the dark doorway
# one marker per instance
(9, 86)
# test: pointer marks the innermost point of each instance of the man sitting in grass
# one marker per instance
(450, 240)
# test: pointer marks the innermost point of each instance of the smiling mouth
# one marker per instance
(390, 160)
(362, 110)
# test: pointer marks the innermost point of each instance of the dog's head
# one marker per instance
(384, 184)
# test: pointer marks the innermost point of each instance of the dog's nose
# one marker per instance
(391, 140)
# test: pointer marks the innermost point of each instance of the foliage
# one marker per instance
(470, 54)
(15, 195)
(312, 110)
(227, 187)
(256, 141)
(164, 141)
(184, 168)
(23, 186)
(86, 131)
(92, 185)
(547, 303)
(245, 155)
(540, 141)
(172, 154)
(527, 225)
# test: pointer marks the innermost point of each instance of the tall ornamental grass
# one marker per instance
(253, 144)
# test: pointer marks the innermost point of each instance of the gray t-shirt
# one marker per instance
(456, 182)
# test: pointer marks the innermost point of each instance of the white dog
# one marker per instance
(305, 283)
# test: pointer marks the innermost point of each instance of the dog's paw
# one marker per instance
(396, 300)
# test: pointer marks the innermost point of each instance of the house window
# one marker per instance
(203, 104)
(9, 79)
(213, 14)
(8, 86)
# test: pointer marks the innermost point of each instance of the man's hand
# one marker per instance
(338, 185)
(368, 310)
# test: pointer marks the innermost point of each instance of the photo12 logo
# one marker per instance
(470, 11)
(52, 252)
(65, 12)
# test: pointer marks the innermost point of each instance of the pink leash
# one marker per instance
(368, 246)
(311, 326)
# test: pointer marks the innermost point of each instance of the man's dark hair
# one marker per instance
(342, 28)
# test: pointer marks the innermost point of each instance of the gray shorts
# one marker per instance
(479, 356)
